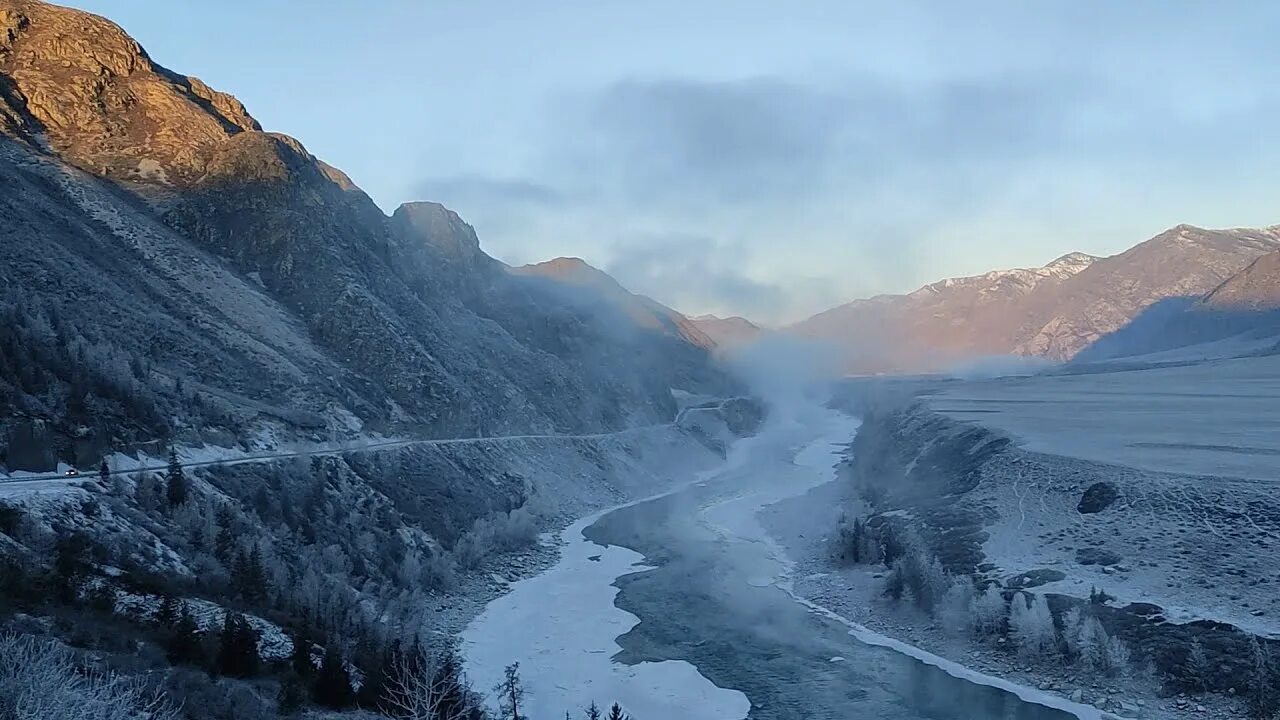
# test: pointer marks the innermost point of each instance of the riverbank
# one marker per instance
(803, 526)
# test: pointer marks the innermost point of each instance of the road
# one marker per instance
(51, 479)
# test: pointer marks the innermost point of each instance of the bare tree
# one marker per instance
(42, 681)
(510, 692)
(420, 688)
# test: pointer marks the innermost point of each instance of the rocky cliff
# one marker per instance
(171, 267)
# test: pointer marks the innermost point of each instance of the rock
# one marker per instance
(1098, 497)
(1076, 695)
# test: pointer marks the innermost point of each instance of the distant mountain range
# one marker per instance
(1051, 312)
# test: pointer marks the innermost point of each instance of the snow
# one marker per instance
(1214, 418)
(561, 627)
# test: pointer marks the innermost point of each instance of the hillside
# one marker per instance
(171, 268)
(1049, 312)
(728, 332)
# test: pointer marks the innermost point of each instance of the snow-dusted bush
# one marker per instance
(989, 611)
(1116, 659)
(42, 681)
(1031, 624)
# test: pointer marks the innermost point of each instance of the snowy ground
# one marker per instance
(1218, 418)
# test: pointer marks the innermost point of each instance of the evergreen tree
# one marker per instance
(373, 691)
(1262, 694)
(175, 481)
(510, 693)
(1197, 670)
(615, 713)
(332, 688)
(237, 647)
(300, 658)
(166, 614)
(184, 646)
(104, 473)
(593, 711)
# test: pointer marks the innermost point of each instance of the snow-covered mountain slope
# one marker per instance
(170, 268)
(1050, 312)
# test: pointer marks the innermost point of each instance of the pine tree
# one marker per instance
(593, 711)
(615, 713)
(332, 688)
(166, 614)
(1262, 694)
(1196, 670)
(175, 481)
(510, 692)
(300, 658)
(237, 647)
(184, 646)
(104, 473)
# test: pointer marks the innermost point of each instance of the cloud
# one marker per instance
(690, 271)
(775, 197)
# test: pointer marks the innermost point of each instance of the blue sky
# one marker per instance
(763, 158)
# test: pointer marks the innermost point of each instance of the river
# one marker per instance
(679, 607)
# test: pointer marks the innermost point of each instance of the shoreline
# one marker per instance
(853, 596)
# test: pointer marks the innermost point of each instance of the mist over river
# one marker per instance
(679, 606)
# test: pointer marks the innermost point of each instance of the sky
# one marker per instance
(761, 158)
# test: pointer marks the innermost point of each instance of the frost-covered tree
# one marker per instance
(42, 681)
(1031, 624)
(1196, 670)
(425, 687)
(1072, 620)
(1262, 692)
(989, 611)
(593, 711)
(1117, 658)
(616, 713)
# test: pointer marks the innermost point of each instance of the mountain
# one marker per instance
(1256, 288)
(1241, 316)
(572, 276)
(1049, 312)
(170, 268)
(728, 332)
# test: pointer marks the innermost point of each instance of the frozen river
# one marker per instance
(679, 606)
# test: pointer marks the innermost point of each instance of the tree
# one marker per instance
(510, 692)
(104, 473)
(615, 713)
(332, 688)
(1261, 690)
(184, 646)
(593, 711)
(421, 687)
(1071, 623)
(300, 657)
(237, 647)
(1032, 625)
(167, 612)
(40, 680)
(989, 611)
(954, 611)
(175, 481)
(1196, 669)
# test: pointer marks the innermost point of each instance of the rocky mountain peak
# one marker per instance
(439, 227)
(79, 84)
(1257, 287)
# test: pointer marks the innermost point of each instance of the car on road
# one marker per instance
(71, 472)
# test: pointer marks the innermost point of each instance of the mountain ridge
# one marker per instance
(1051, 312)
